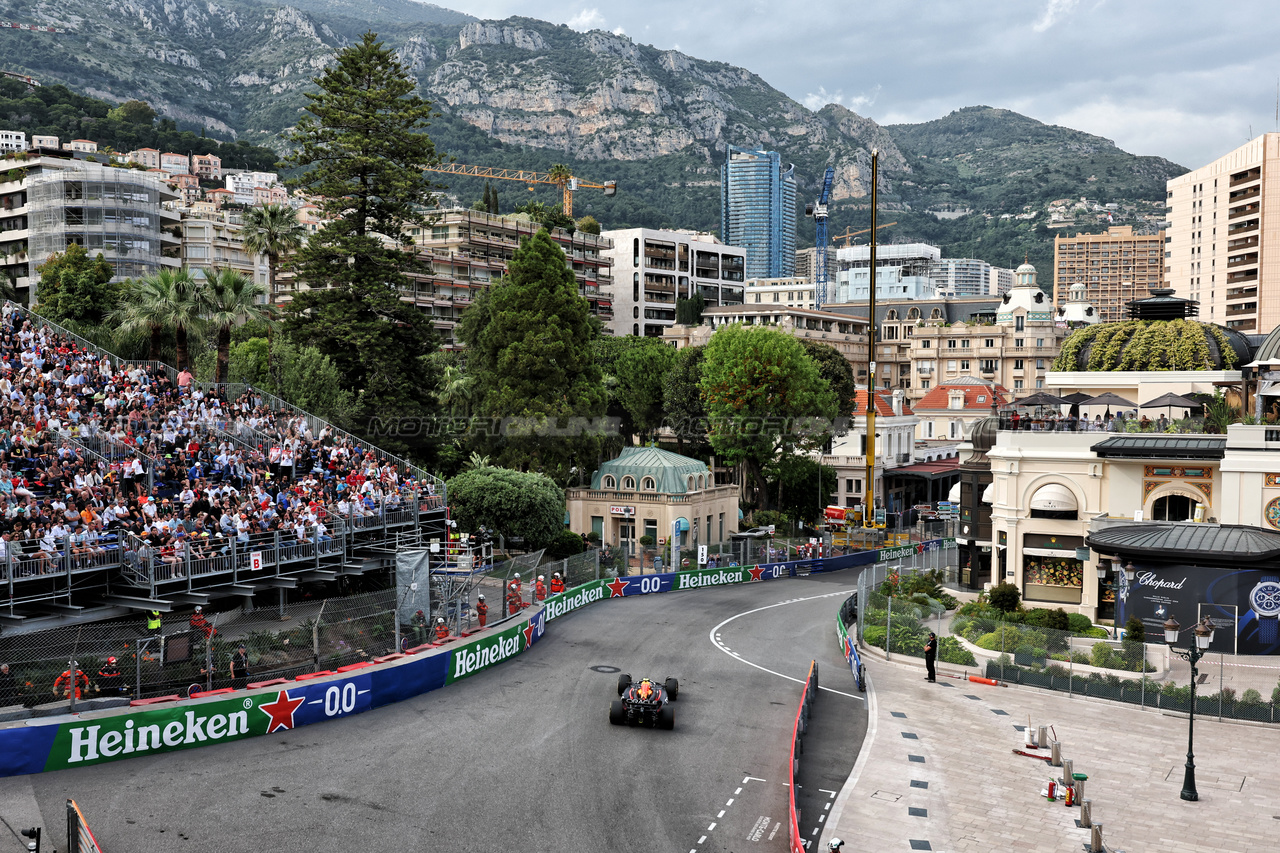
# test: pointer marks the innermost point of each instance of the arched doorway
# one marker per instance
(1173, 508)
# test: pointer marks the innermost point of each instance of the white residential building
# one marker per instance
(13, 140)
(902, 272)
(653, 268)
(244, 183)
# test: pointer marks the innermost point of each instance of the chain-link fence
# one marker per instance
(190, 652)
(900, 603)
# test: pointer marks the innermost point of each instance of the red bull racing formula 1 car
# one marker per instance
(644, 703)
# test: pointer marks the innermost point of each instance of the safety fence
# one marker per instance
(271, 701)
(745, 550)
(900, 603)
(807, 695)
(50, 668)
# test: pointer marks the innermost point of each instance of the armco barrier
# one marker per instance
(850, 651)
(102, 736)
(802, 724)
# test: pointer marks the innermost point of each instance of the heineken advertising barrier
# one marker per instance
(105, 736)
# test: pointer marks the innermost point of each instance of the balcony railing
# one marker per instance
(1054, 423)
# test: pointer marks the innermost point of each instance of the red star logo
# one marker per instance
(528, 633)
(616, 587)
(281, 711)
(756, 572)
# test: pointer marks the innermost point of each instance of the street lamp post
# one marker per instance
(1203, 639)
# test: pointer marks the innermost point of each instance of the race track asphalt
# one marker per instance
(522, 756)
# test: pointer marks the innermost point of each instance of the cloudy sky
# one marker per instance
(1153, 76)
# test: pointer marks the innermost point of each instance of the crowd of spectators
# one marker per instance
(97, 457)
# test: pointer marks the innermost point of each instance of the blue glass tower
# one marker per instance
(758, 211)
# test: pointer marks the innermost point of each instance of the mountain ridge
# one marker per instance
(524, 93)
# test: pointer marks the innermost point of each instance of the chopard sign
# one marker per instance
(1149, 579)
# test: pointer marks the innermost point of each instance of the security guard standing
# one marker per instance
(482, 610)
(153, 623)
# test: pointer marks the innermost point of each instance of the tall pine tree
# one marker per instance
(362, 147)
(530, 348)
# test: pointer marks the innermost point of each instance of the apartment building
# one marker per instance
(970, 277)
(213, 238)
(13, 140)
(1115, 268)
(807, 264)
(1015, 350)
(794, 292)
(845, 333)
(1224, 221)
(665, 266)
(52, 200)
(902, 272)
(208, 167)
(175, 164)
(81, 146)
(758, 211)
(147, 158)
(40, 141)
(243, 184)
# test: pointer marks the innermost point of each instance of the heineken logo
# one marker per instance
(487, 652)
(568, 602)
(122, 736)
(717, 578)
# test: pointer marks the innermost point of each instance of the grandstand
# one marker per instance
(127, 487)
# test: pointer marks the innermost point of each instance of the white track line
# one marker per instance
(714, 636)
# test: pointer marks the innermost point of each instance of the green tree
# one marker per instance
(530, 348)
(641, 371)
(169, 300)
(231, 298)
(765, 399)
(686, 415)
(134, 112)
(1004, 597)
(272, 230)
(363, 148)
(455, 390)
(834, 368)
(689, 311)
(517, 504)
(78, 288)
(794, 479)
(588, 225)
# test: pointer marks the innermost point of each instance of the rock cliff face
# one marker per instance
(525, 93)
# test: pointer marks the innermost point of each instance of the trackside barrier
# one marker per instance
(79, 836)
(847, 646)
(797, 748)
(102, 736)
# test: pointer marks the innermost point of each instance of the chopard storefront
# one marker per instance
(1229, 572)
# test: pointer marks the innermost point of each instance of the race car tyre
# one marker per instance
(673, 689)
(617, 716)
(624, 681)
(667, 718)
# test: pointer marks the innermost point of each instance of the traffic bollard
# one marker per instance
(1066, 771)
(1086, 813)
(1055, 754)
(1042, 737)
(1078, 779)
(1095, 839)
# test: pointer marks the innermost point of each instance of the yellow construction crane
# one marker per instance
(561, 178)
(848, 236)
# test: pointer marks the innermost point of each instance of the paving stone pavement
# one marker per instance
(937, 772)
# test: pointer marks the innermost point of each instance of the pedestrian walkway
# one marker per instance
(937, 772)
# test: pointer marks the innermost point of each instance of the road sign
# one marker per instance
(255, 561)
(702, 555)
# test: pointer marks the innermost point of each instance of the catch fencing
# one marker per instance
(186, 655)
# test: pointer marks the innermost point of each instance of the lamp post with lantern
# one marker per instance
(1203, 639)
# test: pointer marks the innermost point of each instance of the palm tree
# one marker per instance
(272, 230)
(230, 298)
(168, 299)
(455, 390)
